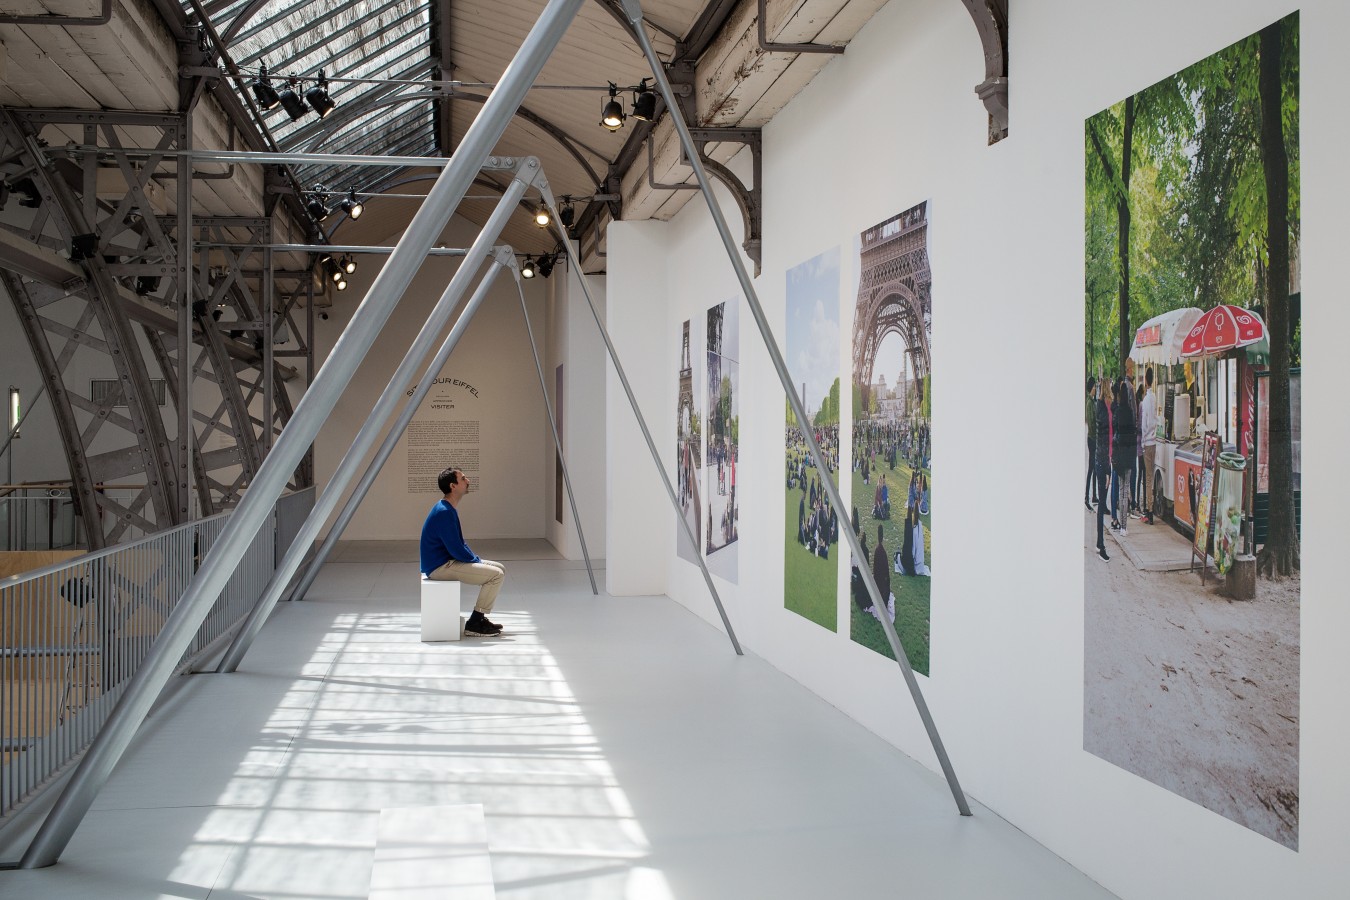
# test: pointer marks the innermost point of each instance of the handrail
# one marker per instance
(76, 632)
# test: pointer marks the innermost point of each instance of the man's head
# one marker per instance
(453, 482)
(1148, 376)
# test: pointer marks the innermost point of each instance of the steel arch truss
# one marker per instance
(113, 428)
(894, 292)
(99, 207)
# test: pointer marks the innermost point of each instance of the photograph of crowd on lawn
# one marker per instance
(892, 434)
(723, 438)
(688, 456)
(1191, 414)
(810, 563)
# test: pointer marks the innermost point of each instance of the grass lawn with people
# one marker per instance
(911, 592)
(810, 584)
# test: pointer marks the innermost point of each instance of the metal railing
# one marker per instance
(73, 634)
(37, 518)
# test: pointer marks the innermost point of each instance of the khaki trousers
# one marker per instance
(487, 573)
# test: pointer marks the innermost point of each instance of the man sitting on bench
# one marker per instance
(445, 556)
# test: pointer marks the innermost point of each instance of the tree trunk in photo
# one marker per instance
(1280, 554)
(1123, 215)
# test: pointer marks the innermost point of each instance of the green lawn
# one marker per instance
(911, 594)
(809, 582)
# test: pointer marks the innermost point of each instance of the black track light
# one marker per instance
(263, 92)
(567, 213)
(644, 103)
(541, 216)
(318, 203)
(347, 265)
(318, 98)
(335, 271)
(527, 268)
(31, 198)
(342, 285)
(611, 115)
(146, 285)
(291, 101)
(352, 206)
(546, 265)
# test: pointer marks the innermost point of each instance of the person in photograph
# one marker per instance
(801, 520)
(446, 557)
(1090, 417)
(1137, 460)
(881, 571)
(1148, 426)
(1124, 436)
(1101, 413)
(904, 557)
(915, 529)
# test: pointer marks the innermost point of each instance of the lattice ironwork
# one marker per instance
(99, 208)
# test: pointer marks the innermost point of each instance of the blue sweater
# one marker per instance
(442, 539)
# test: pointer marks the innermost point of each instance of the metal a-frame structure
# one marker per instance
(328, 385)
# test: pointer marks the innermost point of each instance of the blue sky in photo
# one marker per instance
(812, 348)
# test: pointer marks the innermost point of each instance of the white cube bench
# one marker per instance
(442, 617)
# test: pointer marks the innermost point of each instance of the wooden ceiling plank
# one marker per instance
(94, 84)
(34, 75)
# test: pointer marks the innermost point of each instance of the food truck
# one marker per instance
(1205, 383)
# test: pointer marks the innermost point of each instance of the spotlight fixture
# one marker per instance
(546, 265)
(318, 96)
(644, 103)
(146, 285)
(567, 213)
(342, 285)
(263, 92)
(527, 268)
(31, 198)
(611, 115)
(541, 216)
(15, 412)
(291, 101)
(318, 203)
(352, 206)
(347, 265)
(335, 271)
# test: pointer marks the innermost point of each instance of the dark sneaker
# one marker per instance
(1101, 554)
(480, 626)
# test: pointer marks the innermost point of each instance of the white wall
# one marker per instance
(494, 356)
(893, 122)
(574, 341)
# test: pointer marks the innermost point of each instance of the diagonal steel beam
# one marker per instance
(319, 401)
(634, 10)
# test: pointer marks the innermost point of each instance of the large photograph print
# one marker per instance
(810, 560)
(723, 438)
(688, 455)
(892, 447)
(1192, 425)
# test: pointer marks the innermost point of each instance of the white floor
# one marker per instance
(618, 747)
